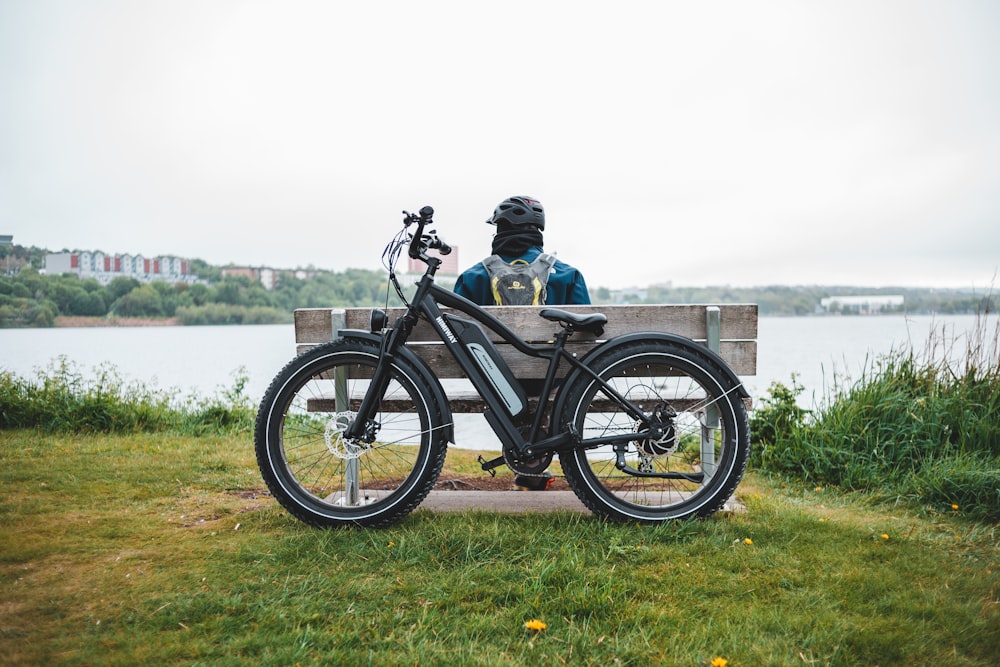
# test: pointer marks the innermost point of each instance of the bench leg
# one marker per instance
(713, 326)
(351, 492)
(708, 428)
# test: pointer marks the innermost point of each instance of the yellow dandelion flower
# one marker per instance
(954, 506)
(884, 536)
(719, 662)
(535, 624)
(747, 541)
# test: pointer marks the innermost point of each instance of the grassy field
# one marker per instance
(134, 529)
(163, 549)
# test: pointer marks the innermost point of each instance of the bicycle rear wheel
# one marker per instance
(693, 469)
(325, 479)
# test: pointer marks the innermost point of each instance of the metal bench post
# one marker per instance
(713, 335)
(352, 494)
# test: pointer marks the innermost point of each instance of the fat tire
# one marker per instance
(683, 369)
(302, 460)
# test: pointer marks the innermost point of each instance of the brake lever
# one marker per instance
(409, 218)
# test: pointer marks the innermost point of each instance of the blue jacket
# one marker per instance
(566, 284)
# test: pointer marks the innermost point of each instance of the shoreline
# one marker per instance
(66, 321)
(79, 321)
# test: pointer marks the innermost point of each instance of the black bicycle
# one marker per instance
(647, 426)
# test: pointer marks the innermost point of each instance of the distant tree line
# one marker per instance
(805, 300)
(29, 298)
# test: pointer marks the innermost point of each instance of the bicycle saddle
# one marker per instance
(593, 323)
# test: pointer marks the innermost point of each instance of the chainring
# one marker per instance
(533, 467)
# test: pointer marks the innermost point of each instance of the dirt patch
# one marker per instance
(446, 482)
(249, 494)
(484, 482)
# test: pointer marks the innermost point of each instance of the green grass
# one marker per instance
(162, 548)
(134, 529)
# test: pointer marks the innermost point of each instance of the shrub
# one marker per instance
(775, 421)
(220, 313)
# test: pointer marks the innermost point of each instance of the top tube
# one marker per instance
(448, 298)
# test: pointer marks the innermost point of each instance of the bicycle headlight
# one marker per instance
(378, 320)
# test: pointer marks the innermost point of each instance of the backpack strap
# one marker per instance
(494, 263)
(548, 260)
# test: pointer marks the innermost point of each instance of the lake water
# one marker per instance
(205, 360)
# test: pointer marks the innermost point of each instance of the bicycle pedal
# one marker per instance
(491, 466)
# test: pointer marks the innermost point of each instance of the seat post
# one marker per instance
(560, 338)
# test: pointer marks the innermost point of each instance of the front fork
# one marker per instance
(364, 428)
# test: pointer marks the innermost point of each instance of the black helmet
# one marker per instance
(519, 211)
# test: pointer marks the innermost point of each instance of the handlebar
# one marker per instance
(420, 242)
(439, 245)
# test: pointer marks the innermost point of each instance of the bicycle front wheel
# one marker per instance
(692, 469)
(325, 479)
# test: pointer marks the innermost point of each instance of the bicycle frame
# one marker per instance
(425, 304)
(624, 417)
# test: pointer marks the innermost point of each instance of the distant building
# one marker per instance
(449, 263)
(105, 268)
(862, 305)
(266, 276)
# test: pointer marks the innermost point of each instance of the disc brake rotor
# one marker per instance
(336, 443)
(667, 443)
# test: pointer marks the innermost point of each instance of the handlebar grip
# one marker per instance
(442, 247)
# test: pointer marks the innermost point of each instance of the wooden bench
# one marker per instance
(730, 330)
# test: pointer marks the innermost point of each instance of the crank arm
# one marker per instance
(490, 466)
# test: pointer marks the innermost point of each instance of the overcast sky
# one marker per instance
(703, 143)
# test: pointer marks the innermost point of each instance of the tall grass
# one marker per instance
(920, 425)
(65, 398)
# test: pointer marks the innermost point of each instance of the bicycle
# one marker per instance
(648, 427)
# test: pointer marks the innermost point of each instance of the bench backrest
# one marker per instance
(731, 330)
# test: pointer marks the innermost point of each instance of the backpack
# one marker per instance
(519, 283)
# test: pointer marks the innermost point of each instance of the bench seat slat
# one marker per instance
(739, 322)
(740, 355)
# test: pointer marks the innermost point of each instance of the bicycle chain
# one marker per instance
(538, 474)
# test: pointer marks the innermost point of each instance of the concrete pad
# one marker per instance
(502, 501)
(514, 502)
